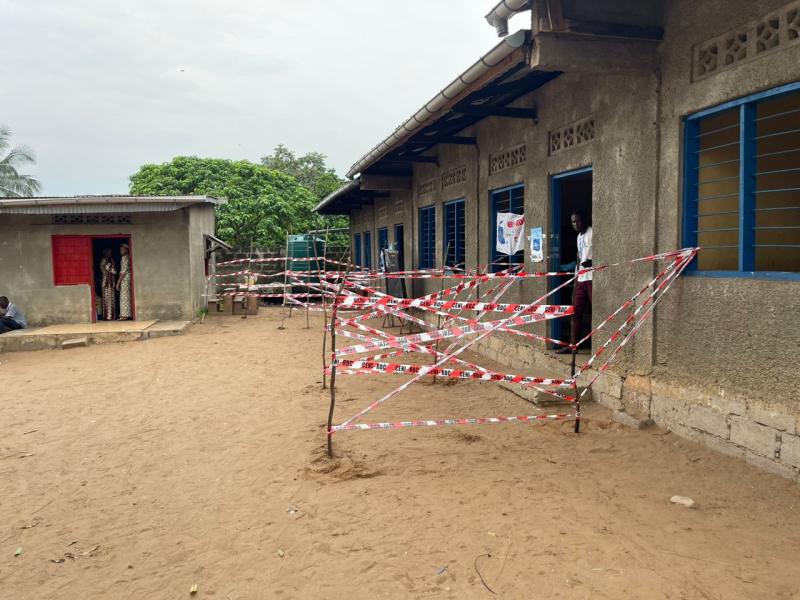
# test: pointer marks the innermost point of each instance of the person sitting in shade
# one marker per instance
(11, 317)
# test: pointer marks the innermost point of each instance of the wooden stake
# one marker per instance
(333, 367)
(285, 269)
(441, 288)
(324, 306)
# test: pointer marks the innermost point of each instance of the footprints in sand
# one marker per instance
(341, 467)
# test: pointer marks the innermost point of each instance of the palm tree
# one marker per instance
(14, 184)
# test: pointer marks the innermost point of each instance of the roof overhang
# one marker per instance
(213, 243)
(491, 83)
(335, 202)
(101, 204)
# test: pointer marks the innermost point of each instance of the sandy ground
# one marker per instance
(150, 466)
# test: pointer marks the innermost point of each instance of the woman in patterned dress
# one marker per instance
(107, 285)
(124, 283)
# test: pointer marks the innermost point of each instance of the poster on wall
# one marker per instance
(510, 228)
(537, 250)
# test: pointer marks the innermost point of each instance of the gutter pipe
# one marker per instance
(498, 17)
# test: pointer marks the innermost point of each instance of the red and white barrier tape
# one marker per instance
(445, 422)
(441, 361)
(458, 331)
(434, 370)
(363, 302)
(683, 257)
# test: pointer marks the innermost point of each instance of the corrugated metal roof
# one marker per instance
(108, 199)
(86, 209)
(344, 189)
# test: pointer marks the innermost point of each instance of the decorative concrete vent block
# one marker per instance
(427, 188)
(775, 31)
(510, 158)
(454, 176)
(575, 134)
(92, 220)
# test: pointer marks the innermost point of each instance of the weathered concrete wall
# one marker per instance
(167, 274)
(385, 212)
(201, 222)
(726, 347)
(718, 363)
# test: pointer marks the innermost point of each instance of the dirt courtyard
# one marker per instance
(137, 470)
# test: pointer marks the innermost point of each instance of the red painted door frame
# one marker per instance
(92, 290)
(130, 255)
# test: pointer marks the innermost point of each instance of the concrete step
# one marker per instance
(75, 343)
(540, 398)
(166, 328)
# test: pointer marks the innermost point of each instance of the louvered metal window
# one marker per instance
(427, 237)
(742, 185)
(367, 264)
(454, 234)
(511, 199)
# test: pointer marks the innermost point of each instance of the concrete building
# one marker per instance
(50, 254)
(673, 124)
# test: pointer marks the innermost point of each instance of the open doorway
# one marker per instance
(119, 303)
(571, 191)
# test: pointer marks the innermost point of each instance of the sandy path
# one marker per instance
(179, 457)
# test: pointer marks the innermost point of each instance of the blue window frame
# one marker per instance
(742, 186)
(367, 250)
(510, 199)
(427, 237)
(454, 248)
(356, 254)
(383, 239)
(399, 240)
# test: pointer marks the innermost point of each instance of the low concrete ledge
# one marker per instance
(48, 338)
(166, 328)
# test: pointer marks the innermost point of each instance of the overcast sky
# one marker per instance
(98, 87)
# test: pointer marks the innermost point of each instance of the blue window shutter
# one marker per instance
(512, 200)
(690, 186)
(367, 250)
(427, 237)
(454, 245)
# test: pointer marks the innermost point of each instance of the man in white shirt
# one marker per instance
(582, 296)
(11, 317)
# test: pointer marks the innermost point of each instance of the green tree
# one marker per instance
(14, 184)
(310, 170)
(263, 204)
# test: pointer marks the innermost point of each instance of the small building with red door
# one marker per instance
(50, 250)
